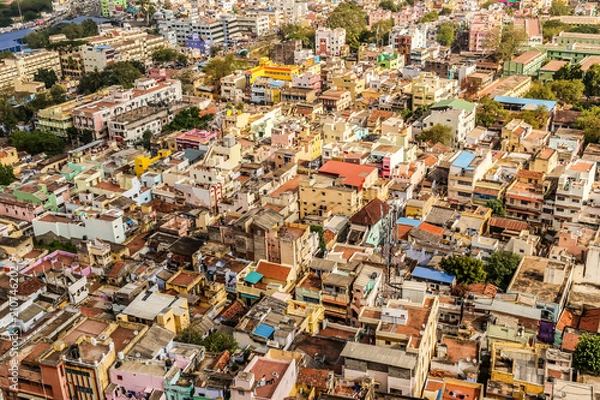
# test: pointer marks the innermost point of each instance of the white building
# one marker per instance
(456, 114)
(221, 30)
(86, 223)
(574, 188)
(257, 25)
(98, 57)
(330, 42)
(405, 39)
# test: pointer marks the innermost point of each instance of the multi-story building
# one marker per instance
(98, 57)
(336, 100)
(94, 116)
(170, 312)
(221, 30)
(574, 189)
(429, 88)
(130, 126)
(525, 196)
(25, 65)
(85, 224)
(257, 25)
(330, 42)
(406, 39)
(457, 114)
(112, 8)
(528, 63)
(466, 169)
(351, 82)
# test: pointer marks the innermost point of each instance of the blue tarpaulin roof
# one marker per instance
(253, 277)
(526, 103)
(463, 160)
(265, 331)
(409, 222)
(432, 275)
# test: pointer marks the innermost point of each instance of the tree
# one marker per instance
(541, 92)
(559, 8)
(298, 32)
(488, 4)
(182, 59)
(446, 11)
(511, 41)
(552, 28)
(591, 81)
(122, 73)
(497, 207)
(466, 269)
(46, 76)
(37, 142)
(568, 92)
(389, 5)
(350, 17)
(90, 82)
(146, 139)
(58, 94)
(569, 72)
(589, 122)
(164, 54)
(587, 354)
(89, 28)
(380, 31)
(320, 232)
(437, 134)
(189, 119)
(220, 67)
(489, 112)
(7, 175)
(8, 116)
(445, 34)
(501, 267)
(536, 118)
(430, 16)
(216, 342)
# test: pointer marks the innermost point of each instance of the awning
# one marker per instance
(265, 331)
(249, 296)
(253, 277)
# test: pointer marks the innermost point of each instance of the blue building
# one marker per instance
(195, 41)
(435, 280)
(13, 41)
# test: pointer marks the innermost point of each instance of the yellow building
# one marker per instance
(185, 282)
(267, 68)
(168, 311)
(513, 132)
(319, 196)
(142, 163)
(314, 313)
(420, 206)
(513, 370)
(545, 161)
(350, 82)
(8, 156)
(57, 119)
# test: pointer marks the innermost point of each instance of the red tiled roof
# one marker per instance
(483, 289)
(435, 230)
(507, 223)
(590, 320)
(372, 213)
(570, 341)
(354, 174)
(30, 286)
(273, 271)
(568, 319)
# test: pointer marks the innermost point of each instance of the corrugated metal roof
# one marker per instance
(265, 331)
(463, 160)
(253, 277)
(385, 356)
(432, 275)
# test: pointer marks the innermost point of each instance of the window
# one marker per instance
(120, 377)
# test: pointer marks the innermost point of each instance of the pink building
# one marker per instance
(307, 80)
(21, 210)
(482, 30)
(94, 116)
(194, 139)
(59, 261)
(378, 16)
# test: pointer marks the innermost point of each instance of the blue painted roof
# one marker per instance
(432, 275)
(265, 331)
(409, 222)
(463, 160)
(79, 20)
(253, 277)
(525, 103)
(12, 40)
(276, 83)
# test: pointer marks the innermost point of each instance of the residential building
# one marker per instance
(455, 113)
(265, 378)
(113, 8)
(525, 196)
(86, 223)
(218, 31)
(169, 312)
(406, 39)
(98, 57)
(428, 88)
(23, 67)
(466, 169)
(58, 119)
(574, 188)
(330, 42)
(131, 126)
(336, 100)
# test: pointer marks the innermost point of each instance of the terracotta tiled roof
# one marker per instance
(568, 319)
(274, 271)
(590, 320)
(372, 213)
(570, 341)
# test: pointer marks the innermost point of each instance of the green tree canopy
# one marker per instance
(37, 142)
(298, 32)
(122, 73)
(430, 16)
(553, 27)
(587, 354)
(541, 92)
(445, 34)
(46, 76)
(501, 267)
(508, 43)
(568, 92)
(559, 7)
(379, 33)
(7, 175)
(466, 269)
(569, 72)
(189, 119)
(589, 122)
(489, 112)
(146, 139)
(58, 94)
(220, 67)
(390, 5)
(497, 207)
(536, 118)
(350, 17)
(164, 54)
(216, 342)
(437, 134)
(591, 81)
